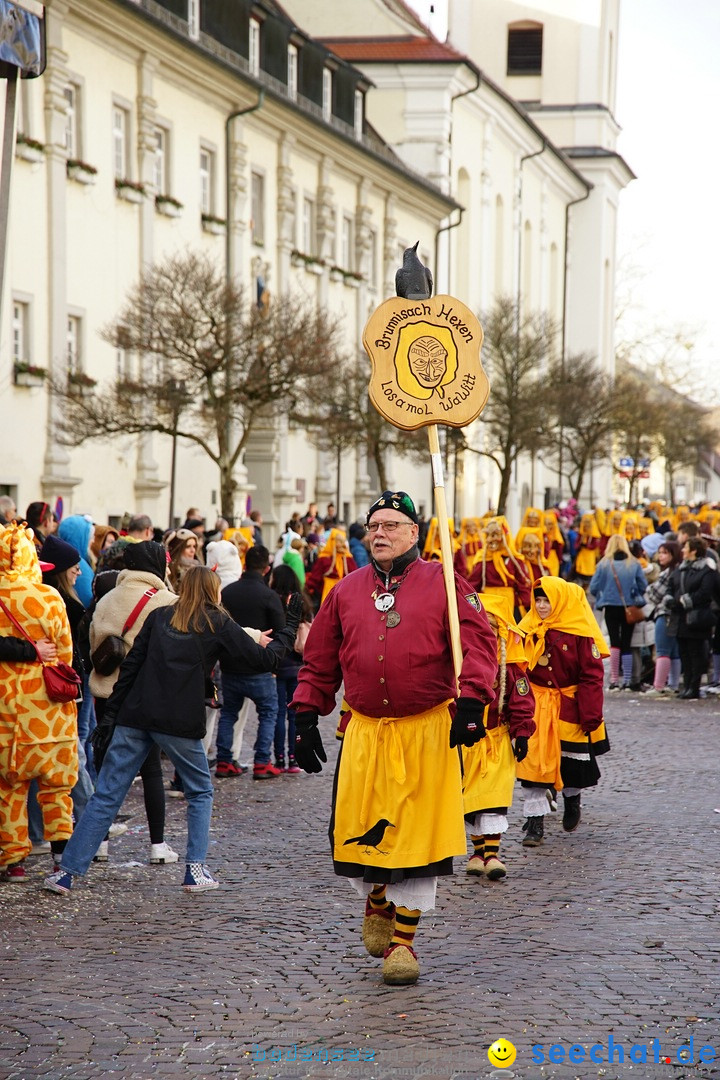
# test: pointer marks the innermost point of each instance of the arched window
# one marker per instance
(525, 44)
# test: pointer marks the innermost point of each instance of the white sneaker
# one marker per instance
(162, 853)
(654, 692)
(41, 848)
(102, 854)
(117, 829)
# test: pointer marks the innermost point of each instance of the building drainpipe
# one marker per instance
(563, 344)
(228, 120)
(228, 231)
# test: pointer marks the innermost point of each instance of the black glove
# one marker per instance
(309, 750)
(520, 747)
(467, 727)
(294, 611)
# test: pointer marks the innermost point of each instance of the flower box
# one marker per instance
(167, 205)
(28, 149)
(80, 384)
(311, 262)
(29, 375)
(336, 274)
(81, 172)
(129, 190)
(213, 225)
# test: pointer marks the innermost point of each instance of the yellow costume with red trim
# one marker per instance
(489, 766)
(38, 737)
(564, 653)
(588, 546)
(333, 563)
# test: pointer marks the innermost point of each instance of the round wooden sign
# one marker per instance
(426, 367)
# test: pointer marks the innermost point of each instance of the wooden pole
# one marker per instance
(445, 547)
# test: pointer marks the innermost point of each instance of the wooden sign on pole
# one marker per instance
(426, 370)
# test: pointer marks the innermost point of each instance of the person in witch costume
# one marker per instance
(397, 818)
(564, 649)
(489, 767)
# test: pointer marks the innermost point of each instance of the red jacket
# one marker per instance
(400, 670)
(573, 662)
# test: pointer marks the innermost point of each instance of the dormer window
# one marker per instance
(327, 88)
(525, 46)
(292, 72)
(254, 47)
(194, 19)
(359, 113)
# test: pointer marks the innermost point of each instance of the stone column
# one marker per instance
(286, 198)
(56, 479)
(148, 484)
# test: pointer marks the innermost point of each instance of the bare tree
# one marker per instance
(210, 364)
(684, 431)
(517, 349)
(637, 415)
(581, 407)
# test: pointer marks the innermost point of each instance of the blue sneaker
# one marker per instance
(59, 882)
(198, 878)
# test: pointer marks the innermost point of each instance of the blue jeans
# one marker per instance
(261, 689)
(665, 645)
(286, 687)
(125, 755)
(86, 725)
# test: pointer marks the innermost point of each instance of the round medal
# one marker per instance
(393, 619)
(385, 601)
(543, 661)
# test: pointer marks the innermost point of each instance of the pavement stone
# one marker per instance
(609, 932)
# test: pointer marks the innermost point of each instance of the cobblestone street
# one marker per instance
(607, 934)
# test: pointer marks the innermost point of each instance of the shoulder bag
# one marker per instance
(633, 613)
(113, 649)
(62, 682)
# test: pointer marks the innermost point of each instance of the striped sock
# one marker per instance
(492, 847)
(377, 898)
(627, 668)
(406, 923)
(478, 843)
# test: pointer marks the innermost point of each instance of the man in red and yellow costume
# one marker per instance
(564, 648)
(499, 569)
(397, 818)
(332, 564)
(588, 550)
(38, 737)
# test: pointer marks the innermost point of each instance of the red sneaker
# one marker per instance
(266, 771)
(228, 768)
(14, 875)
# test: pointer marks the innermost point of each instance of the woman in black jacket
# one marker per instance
(159, 697)
(693, 588)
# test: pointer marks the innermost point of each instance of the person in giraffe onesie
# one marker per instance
(38, 737)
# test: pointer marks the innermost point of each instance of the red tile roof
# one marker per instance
(392, 50)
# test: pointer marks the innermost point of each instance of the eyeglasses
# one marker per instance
(386, 526)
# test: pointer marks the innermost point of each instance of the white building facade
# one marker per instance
(120, 161)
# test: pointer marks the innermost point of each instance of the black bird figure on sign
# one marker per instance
(373, 836)
(413, 281)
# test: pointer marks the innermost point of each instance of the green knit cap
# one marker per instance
(394, 500)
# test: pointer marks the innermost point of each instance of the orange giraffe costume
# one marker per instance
(38, 737)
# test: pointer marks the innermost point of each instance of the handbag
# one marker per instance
(633, 613)
(113, 649)
(62, 682)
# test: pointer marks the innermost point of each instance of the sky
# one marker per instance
(668, 92)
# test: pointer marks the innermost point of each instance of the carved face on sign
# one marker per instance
(428, 360)
(531, 547)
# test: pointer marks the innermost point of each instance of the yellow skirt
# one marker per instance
(398, 801)
(542, 764)
(489, 771)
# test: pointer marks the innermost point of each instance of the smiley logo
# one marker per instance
(502, 1053)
